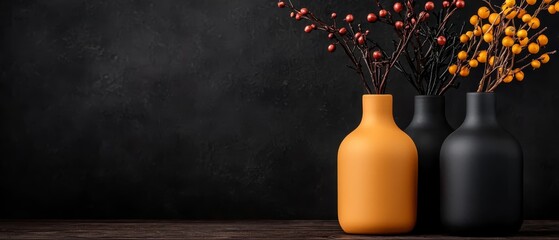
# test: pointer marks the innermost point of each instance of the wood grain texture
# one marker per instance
(286, 229)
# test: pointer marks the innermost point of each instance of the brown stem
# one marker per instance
(447, 86)
(396, 55)
(343, 42)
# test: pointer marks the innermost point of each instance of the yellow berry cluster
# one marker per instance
(505, 40)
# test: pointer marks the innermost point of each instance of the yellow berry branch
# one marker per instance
(518, 72)
(499, 39)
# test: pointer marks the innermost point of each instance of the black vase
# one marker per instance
(481, 174)
(428, 129)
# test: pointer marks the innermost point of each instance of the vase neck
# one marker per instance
(480, 109)
(429, 109)
(377, 109)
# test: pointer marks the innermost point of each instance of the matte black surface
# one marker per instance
(207, 109)
(481, 174)
(428, 129)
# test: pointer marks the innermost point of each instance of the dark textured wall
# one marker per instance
(204, 109)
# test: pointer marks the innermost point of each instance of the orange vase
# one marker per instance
(377, 173)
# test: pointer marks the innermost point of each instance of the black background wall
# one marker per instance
(205, 109)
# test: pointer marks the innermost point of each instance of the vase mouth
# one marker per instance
(480, 93)
(376, 94)
(377, 108)
(428, 96)
(480, 109)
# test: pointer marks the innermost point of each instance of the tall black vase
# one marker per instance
(428, 129)
(481, 174)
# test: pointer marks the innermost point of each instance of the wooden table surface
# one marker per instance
(265, 229)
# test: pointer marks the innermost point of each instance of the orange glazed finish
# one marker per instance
(377, 174)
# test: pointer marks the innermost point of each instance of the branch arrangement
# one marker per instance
(506, 39)
(433, 49)
(368, 59)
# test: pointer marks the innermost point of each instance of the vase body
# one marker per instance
(377, 174)
(481, 174)
(428, 129)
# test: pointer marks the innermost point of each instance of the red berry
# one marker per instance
(398, 24)
(413, 21)
(361, 40)
(371, 17)
(446, 4)
(349, 18)
(377, 55)
(398, 7)
(423, 16)
(313, 26)
(441, 40)
(304, 11)
(366, 32)
(357, 35)
(308, 28)
(342, 31)
(292, 15)
(297, 16)
(460, 4)
(330, 35)
(281, 4)
(382, 13)
(331, 48)
(429, 6)
(333, 15)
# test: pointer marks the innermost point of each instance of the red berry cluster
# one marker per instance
(430, 6)
(438, 40)
(383, 14)
(403, 16)
(358, 38)
(446, 4)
